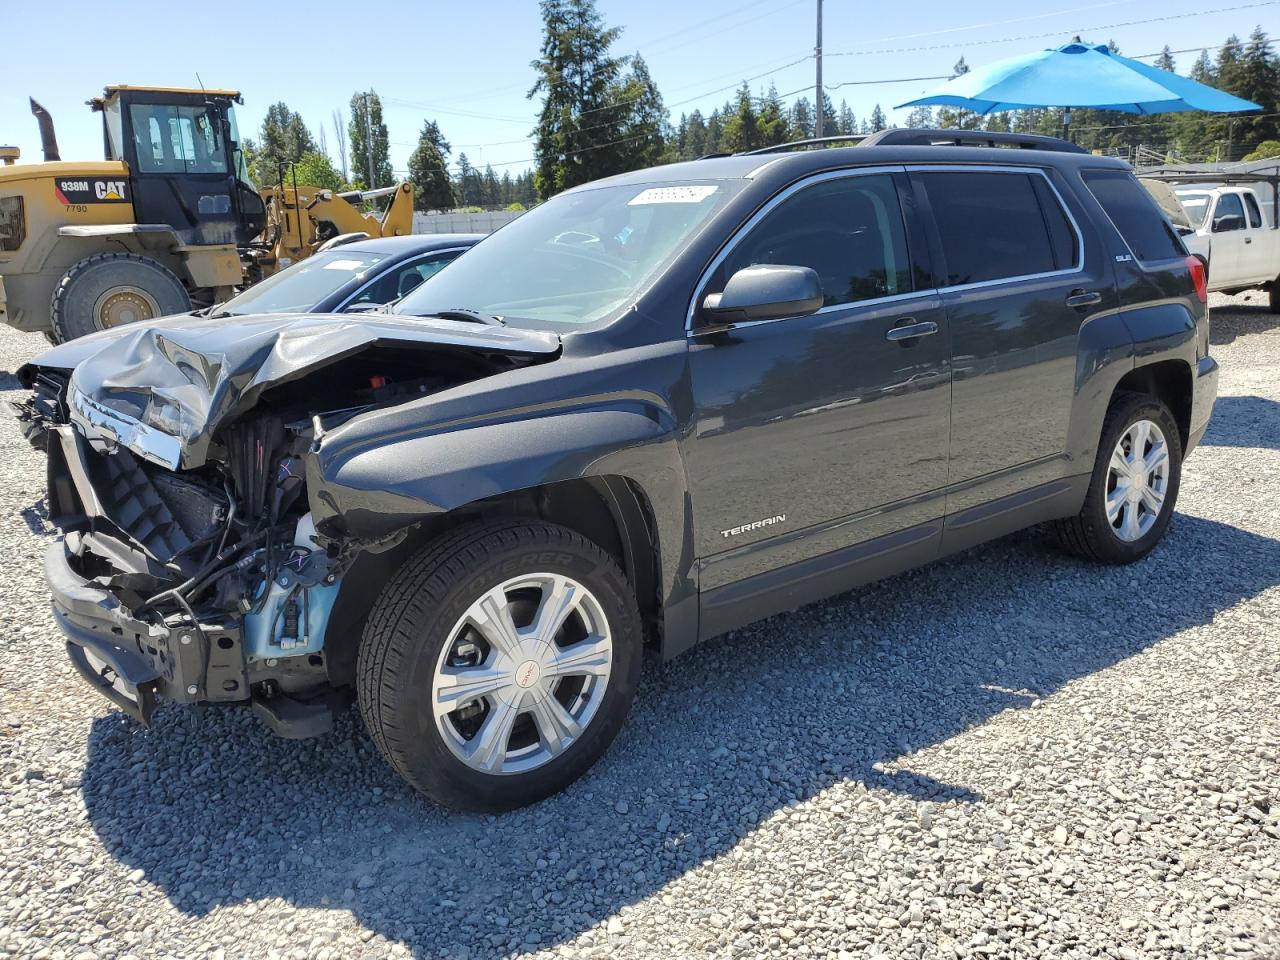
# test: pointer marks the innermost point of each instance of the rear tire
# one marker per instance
(1273, 296)
(545, 696)
(1127, 510)
(112, 289)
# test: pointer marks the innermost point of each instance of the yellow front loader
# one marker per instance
(170, 220)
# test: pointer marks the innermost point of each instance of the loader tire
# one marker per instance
(111, 289)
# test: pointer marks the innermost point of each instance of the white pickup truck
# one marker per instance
(1232, 226)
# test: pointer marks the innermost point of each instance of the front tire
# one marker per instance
(499, 663)
(1134, 485)
(112, 289)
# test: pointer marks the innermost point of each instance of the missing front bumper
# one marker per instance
(133, 663)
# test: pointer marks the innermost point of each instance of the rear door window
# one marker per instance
(1140, 222)
(996, 225)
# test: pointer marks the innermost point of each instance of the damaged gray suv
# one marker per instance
(649, 411)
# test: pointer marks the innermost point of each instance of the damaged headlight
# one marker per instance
(164, 416)
(100, 422)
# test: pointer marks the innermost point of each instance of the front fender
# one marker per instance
(371, 491)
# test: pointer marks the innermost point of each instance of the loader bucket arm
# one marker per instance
(398, 220)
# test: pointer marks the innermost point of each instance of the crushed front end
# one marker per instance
(178, 457)
(201, 587)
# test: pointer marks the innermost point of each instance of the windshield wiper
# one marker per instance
(471, 316)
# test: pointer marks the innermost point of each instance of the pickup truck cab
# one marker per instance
(1233, 228)
(651, 410)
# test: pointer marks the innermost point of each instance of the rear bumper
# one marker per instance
(133, 663)
(1205, 393)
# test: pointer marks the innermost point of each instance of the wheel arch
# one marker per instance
(1170, 381)
(615, 476)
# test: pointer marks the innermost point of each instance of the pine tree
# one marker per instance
(468, 187)
(646, 129)
(847, 122)
(284, 139)
(773, 125)
(715, 129)
(999, 122)
(581, 120)
(695, 137)
(1165, 61)
(428, 170)
(920, 118)
(1257, 79)
(830, 119)
(1202, 69)
(367, 129)
(741, 129)
(801, 119)
(878, 121)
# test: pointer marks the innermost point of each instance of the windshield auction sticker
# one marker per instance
(692, 194)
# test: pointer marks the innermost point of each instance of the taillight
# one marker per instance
(1199, 277)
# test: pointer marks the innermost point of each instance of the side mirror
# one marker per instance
(765, 292)
(1228, 222)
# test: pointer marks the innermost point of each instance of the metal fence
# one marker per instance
(484, 222)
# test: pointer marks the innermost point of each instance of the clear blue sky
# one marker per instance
(466, 64)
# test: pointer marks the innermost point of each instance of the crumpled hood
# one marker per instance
(179, 379)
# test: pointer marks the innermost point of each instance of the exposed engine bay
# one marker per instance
(190, 568)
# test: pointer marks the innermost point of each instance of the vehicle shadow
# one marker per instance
(216, 811)
(1244, 421)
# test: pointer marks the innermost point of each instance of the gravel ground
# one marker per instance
(1009, 753)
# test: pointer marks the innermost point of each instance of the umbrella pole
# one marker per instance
(1066, 124)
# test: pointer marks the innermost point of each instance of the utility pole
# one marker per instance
(817, 52)
(368, 139)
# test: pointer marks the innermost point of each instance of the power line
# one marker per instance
(656, 45)
(1055, 33)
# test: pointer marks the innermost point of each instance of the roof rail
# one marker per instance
(855, 138)
(902, 136)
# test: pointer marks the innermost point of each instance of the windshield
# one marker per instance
(1197, 207)
(300, 287)
(577, 258)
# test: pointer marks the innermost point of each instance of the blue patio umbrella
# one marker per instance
(1078, 75)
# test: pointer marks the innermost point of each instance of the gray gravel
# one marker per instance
(1010, 753)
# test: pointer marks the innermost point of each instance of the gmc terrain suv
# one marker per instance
(651, 410)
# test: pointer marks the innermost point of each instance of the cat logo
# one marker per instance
(76, 192)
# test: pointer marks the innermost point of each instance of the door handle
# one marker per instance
(1083, 298)
(1248, 239)
(909, 330)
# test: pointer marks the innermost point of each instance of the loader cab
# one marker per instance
(187, 168)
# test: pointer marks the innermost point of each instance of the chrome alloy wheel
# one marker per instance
(1137, 480)
(523, 673)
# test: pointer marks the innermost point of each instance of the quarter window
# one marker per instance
(1255, 215)
(848, 230)
(998, 226)
(1140, 222)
